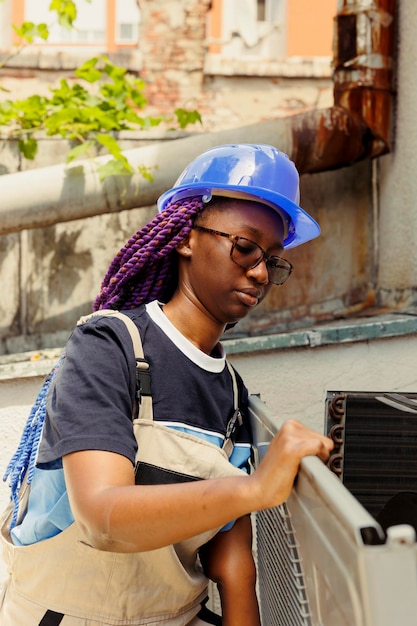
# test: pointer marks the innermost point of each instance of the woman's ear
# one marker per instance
(184, 248)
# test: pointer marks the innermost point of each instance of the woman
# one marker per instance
(120, 525)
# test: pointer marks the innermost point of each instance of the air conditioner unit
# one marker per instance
(322, 558)
(375, 455)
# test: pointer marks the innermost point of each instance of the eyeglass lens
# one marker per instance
(248, 254)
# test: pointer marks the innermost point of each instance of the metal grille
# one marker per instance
(352, 572)
(376, 438)
(281, 588)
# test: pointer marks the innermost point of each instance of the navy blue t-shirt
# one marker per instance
(90, 404)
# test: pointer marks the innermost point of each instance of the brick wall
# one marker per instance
(172, 42)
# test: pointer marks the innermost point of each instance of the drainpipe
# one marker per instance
(357, 127)
(359, 124)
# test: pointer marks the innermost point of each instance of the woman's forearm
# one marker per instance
(119, 516)
(141, 518)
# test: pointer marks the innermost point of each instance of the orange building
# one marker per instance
(270, 29)
(310, 27)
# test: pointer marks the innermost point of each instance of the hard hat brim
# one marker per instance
(301, 227)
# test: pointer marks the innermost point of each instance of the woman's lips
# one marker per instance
(249, 297)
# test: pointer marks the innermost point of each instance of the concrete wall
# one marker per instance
(368, 219)
(52, 275)
(397, 231)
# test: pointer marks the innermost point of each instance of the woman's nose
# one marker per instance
(259, 273)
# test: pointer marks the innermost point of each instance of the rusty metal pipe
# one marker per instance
(363, 64)
(327, 139)
(359, 125)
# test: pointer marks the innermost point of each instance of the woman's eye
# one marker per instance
(244, 247)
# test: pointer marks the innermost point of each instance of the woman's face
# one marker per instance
(224, 290)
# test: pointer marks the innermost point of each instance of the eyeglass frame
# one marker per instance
(264, 257)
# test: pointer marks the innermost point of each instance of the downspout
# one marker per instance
(359, 124)
(356, 127)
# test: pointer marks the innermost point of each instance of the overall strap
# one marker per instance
(143, 403)
(143, 408)
(236, 419)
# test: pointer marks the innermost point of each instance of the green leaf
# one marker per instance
(113, 71)
(26, 31)
(115, 167)
(110, 144)
(104, 120)
(62, 93)
(88, 71)
(185, 117)
(28, 147)
(79, 151)
(74, 113)
(7, 114)
(145, 172)
(61, 118)
(66, 12)
(42, 31)
(91, 76)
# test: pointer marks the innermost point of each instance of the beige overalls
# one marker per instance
(64, 580)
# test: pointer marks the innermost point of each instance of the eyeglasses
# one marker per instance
(249, 254)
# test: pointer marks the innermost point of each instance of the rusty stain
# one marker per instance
(359, 124)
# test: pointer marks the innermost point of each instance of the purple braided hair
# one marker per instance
(145, 268)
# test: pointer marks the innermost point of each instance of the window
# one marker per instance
(89, 27)
(5, 21)
(254, 28)
(127, 22)
(105, 24)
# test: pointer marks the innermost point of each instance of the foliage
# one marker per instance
(104, 100)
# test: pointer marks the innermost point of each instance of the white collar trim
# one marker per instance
(206, 362)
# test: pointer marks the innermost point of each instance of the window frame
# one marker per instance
(111, 41)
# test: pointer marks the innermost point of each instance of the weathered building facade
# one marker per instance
(364, 262)
(189, 57)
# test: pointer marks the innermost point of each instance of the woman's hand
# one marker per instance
(274, 478)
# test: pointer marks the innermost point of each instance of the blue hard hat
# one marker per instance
(251, 171)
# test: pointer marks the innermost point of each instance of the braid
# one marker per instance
(145, 268)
